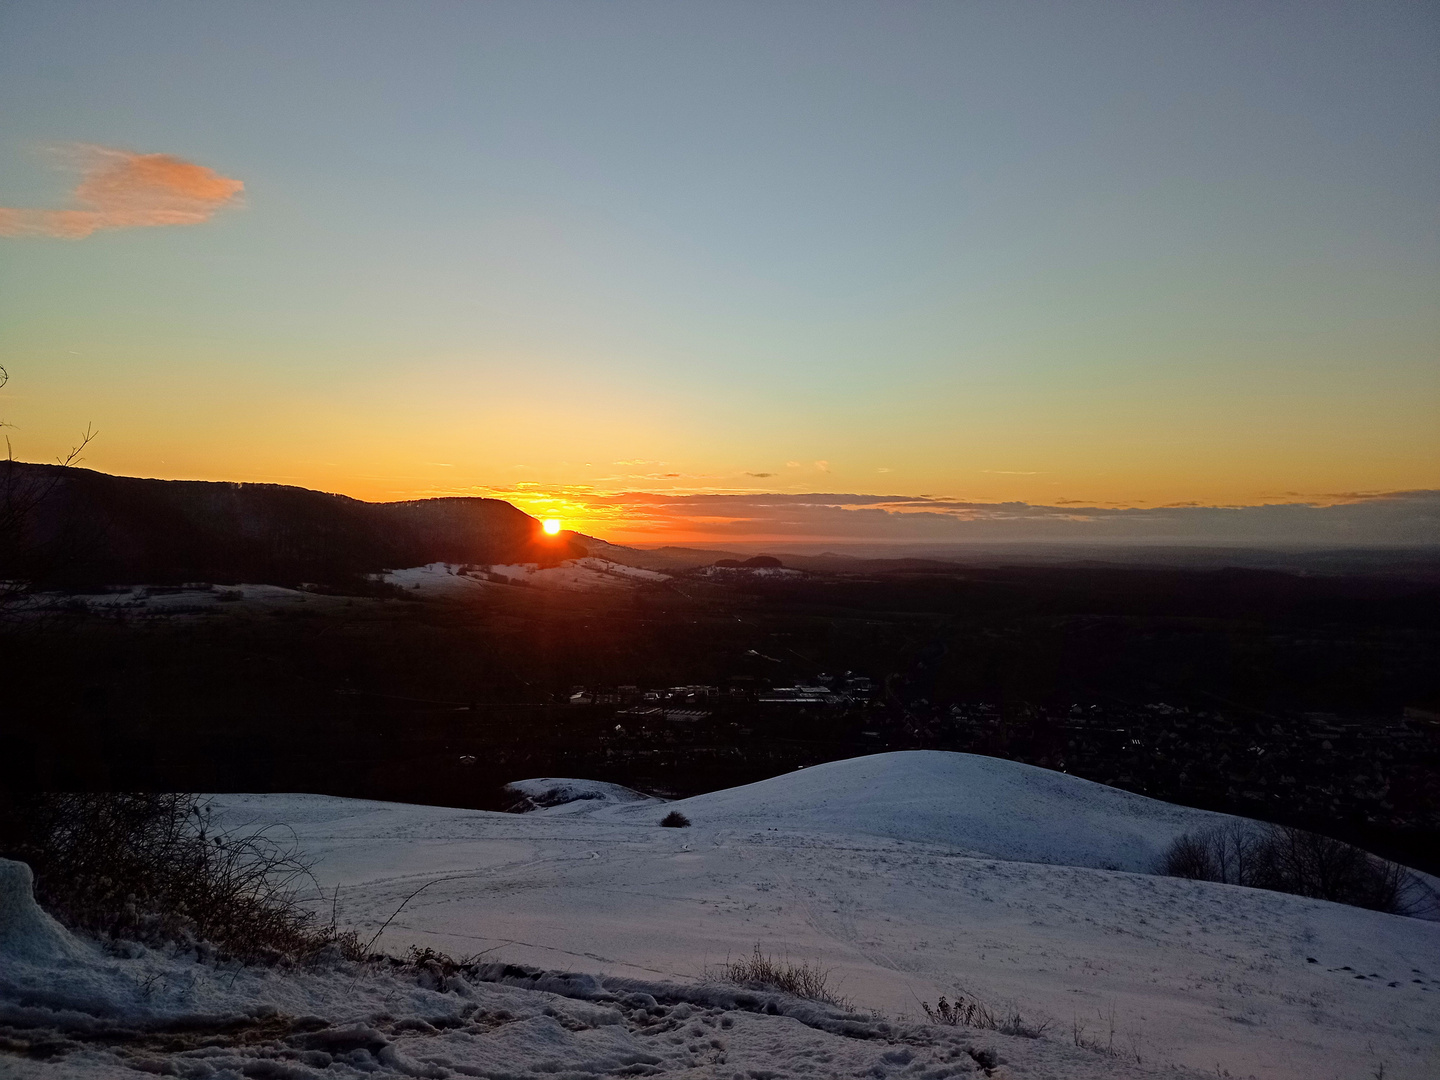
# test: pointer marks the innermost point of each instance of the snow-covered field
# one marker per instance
(747, 573)
(448, 579)
(70, 1010)
(444, 581)
(908, 875)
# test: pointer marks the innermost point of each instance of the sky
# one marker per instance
(678, 272)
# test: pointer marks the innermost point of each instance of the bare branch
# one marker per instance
(75, 451)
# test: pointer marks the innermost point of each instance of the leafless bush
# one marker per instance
(803, 980)
(1233, 853)
(675, 820)
(155, 867)
(1290, 860)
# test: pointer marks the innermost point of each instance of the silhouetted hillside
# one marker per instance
(91, 527)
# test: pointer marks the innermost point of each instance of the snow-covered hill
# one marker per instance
(963, 802)
(908, 875)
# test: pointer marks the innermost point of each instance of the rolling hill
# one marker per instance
(86, 527)
(907, 875)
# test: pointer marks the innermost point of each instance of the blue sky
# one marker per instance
(1109, 253)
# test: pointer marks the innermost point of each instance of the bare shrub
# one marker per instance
(155, 867)
(1285, 859)
(803, 980)
(1232, 853)
(675, 820)
(1188, 856)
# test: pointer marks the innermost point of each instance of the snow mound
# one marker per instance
(582, 796)
(26, 932)
(978, 805)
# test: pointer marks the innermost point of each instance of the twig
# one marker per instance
(371, 943)
(365, 952)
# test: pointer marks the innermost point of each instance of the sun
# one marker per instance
(552, 526)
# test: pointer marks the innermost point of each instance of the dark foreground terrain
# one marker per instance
(1311, 700)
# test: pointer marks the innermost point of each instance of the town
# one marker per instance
(1373, 774)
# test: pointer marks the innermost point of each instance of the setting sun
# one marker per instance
(552, 525)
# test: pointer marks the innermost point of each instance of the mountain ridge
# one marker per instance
(78, 526)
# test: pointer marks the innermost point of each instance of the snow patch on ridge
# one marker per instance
(571, 796)
(582, 575)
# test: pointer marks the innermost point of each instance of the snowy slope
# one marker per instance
(870, 867)
(908, 875)
(587, 574)
(965, 802)
(69, 1009)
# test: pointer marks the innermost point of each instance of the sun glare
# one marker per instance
(552, 525)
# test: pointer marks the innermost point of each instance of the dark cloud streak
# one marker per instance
(1401, 518)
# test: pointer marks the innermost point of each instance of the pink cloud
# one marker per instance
(119, 189)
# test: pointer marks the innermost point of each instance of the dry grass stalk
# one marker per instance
(971, 1012)
(803, 980)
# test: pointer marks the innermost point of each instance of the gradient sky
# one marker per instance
(1064, 254)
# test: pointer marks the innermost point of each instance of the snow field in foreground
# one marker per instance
(908, 875)
(70, 1010)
